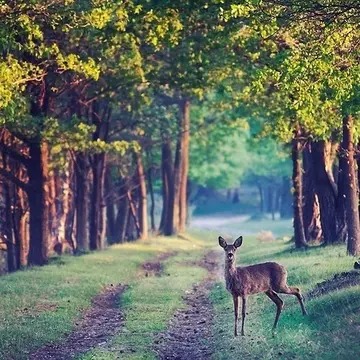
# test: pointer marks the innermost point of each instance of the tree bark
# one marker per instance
(325, 192)
(166, 224)
(175, 204)
(309, 210)
(142, 211)
(299, 233)
(185, 144)
(38, 203)
(351, 188)
(152, 200)
(97, 192)
(10, 245)
(122, 216)
(82, 169)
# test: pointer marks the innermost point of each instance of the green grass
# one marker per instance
(330, 331)
(40, 305)
(149, 305)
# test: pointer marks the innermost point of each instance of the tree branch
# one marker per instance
(10, 176)
(7, 150)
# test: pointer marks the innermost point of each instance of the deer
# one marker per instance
(268, 277)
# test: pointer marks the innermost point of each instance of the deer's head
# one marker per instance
(230, 250)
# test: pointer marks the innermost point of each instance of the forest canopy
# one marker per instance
(98, 100)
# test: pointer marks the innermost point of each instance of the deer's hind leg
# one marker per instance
(296, 292)
(279, 305)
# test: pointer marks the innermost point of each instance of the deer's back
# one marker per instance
(258, 278)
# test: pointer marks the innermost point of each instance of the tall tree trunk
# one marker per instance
(53, 214)
(309, 209)
(351, 188)
(185, 143)
(38, 203)
(82, 169)
(152, 200)
(142, 211)
(175, 204)
(122, 216)
(97, 192)
(167, 216)
(299, 233)
(10, 245)
(325, 192)
(340, 203)
(110, 207)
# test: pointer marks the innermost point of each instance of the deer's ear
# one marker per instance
(238, 242)
(222, 242)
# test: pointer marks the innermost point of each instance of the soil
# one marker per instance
(156, 267)
(189, 332)
(95, 328)
(187, 336)
(339, 281)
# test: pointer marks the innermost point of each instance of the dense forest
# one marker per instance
(98, 100)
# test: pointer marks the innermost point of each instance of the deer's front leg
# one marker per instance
(243, 313)
(236, 312)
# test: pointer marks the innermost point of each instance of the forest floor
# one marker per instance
(165, 299)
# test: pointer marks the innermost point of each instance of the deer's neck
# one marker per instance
(230, 269)
(231, 278)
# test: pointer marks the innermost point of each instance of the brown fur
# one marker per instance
(269, 277)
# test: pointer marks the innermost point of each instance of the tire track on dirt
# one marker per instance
(189, 332)
(100, 322)
(96, 326)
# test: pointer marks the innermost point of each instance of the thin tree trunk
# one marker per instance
(308, 191)
(53, 215)
(340, 203)
(351, 188)
(133, 213)
(22, 225)
(110, 207)
(142, 211)
(82, 169)
(96, 213)
(175, 204)
(10, 246)
(299, 233)
(152, 200)
(167, 225)
(185, 144)
(122, 217)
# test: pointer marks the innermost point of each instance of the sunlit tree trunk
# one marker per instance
(299, 233)
(351, 188)
(142, 194)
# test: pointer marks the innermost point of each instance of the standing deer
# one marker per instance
(269, 277)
